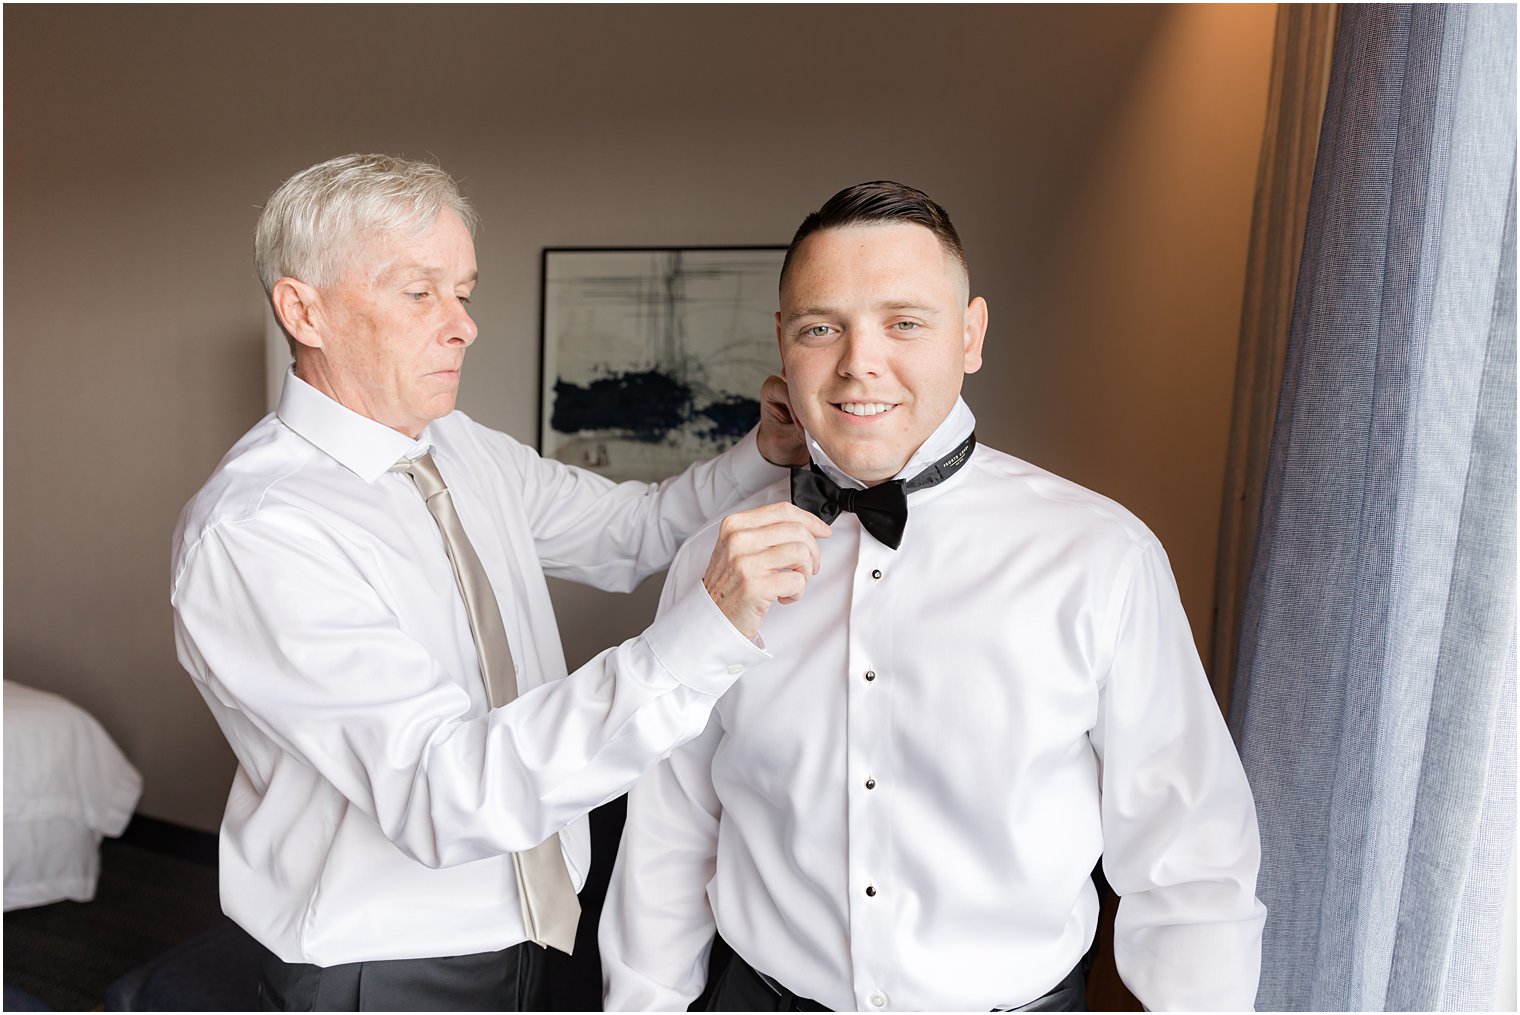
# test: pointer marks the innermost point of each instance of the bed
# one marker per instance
(66, 785)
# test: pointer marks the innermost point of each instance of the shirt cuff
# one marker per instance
(747, 468)
(697, 645)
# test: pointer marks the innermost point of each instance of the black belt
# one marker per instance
(1068, 995)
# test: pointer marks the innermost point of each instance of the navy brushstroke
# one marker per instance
(645, 403)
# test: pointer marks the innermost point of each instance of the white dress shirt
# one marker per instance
(316, 609)
(901, 809)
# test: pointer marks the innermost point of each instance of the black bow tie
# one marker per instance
(882, 509)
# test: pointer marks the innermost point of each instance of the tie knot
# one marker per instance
(847, 496)
(424, 473)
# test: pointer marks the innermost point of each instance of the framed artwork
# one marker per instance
(653, 357)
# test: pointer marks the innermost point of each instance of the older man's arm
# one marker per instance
(614, 535)
(283, 630)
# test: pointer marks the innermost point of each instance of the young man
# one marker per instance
(990, 685)
(359, 595)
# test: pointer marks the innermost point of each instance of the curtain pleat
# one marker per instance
(1295, 104)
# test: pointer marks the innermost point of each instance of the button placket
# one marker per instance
(871, 905)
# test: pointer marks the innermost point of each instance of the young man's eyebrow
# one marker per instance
(895, 306)
(911, 305)
(801, 312)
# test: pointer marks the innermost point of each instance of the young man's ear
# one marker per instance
(297, 306)
(976, 331)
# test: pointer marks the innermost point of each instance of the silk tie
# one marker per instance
(883, 508)
(549, 907)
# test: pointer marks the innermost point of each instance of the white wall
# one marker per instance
(1098, 161)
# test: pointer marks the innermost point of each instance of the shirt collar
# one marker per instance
(953, 429)
(366, 448)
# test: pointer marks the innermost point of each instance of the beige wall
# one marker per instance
(1099, 162)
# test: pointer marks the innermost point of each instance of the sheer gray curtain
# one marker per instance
(1374, 697)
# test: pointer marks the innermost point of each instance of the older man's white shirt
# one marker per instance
(318, 613)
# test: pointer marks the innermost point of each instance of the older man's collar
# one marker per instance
(952, 430)
(361, 445)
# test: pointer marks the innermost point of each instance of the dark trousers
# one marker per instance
(508, 980)
(740, 988)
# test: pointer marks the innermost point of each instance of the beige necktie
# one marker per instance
(549, 906)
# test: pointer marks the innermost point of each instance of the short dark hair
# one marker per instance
(881, 201)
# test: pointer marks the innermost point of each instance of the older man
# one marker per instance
(992, 683)
(359, 595)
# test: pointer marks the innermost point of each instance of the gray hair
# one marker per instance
(319, 217)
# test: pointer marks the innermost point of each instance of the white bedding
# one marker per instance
(66, 785)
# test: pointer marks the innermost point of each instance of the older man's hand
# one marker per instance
(763, 556)
(780, 437)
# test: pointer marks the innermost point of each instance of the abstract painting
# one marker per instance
(653, 358)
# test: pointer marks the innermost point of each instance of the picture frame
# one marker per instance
(653, 357)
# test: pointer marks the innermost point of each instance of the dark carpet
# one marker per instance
(157, 890)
